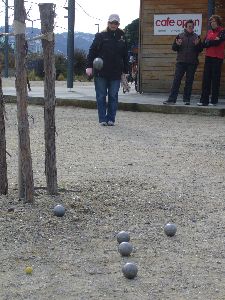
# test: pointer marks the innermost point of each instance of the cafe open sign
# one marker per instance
(174, 24)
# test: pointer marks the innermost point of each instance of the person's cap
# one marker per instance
(113, 18)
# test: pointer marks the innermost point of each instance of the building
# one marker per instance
(160, 22)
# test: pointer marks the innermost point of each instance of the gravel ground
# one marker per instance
(147, 170)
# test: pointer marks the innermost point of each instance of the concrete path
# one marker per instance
(83, 95)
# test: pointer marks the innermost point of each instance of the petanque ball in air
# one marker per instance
(170, 229)
(130, 270)
(59, 210)
(98, 63)
(125, 248)
(123, 236)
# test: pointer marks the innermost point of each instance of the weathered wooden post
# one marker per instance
(47, 15)
(3, 163)
(26, 183)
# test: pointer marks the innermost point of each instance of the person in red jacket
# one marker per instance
(214, 43)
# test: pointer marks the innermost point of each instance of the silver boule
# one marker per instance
(59, 210)
(125, 248)
(130, 270)
(123, 236)
(170, 229)
(98, 63)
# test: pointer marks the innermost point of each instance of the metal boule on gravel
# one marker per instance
(125, 248)
(130, 270)
(98, 63)
(59, 210)
(170, 229)
(123, 236)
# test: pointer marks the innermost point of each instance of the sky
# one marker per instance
(87, 13)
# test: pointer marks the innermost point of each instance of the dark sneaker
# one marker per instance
(212, 104)
(186, 103)
(168, 103)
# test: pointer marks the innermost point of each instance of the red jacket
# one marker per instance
(215, 48)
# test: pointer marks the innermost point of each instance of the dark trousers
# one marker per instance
(211, 80)
(181, 69)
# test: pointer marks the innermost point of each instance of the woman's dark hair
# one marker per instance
(217, 18)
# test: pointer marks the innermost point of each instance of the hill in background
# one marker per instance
(81, 40)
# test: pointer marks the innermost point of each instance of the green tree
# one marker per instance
(35, 64)
(132, 33)
(10, 53)
(80, 61)
(60, 65)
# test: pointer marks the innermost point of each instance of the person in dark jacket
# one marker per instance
(214, 43)
(188, 46)
(111, 46)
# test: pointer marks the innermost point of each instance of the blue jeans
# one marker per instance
(104, 87)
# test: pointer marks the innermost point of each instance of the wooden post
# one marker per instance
(47, 15)
(3, 163)
(26, 183)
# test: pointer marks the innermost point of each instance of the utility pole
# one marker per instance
(211, 10)
(47, 15)
(26, 183)
(98, 26)
(70, 43)
(6, 50)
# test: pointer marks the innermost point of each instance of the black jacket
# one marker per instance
(187, 52)
(111, 46)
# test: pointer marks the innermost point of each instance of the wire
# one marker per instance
(32, 2)
(29, 11)
(60, 27)
(65, 3)
(10, 7)
(87, 13)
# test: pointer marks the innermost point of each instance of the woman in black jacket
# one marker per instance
(188, 46)
(111, 46)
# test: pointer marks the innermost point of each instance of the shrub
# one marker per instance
(32, 76)
(61, 77)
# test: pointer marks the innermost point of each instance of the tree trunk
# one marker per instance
(26, 184)
(3, 163)
(47, 15)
